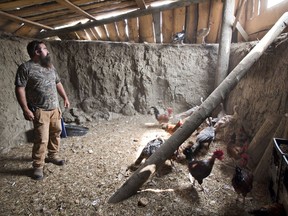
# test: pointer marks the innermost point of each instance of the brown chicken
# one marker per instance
(171, 128)
(200, 169)
(162, 118)
(274, 209)
(242, 182)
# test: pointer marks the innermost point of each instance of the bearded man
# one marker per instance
(36, 86)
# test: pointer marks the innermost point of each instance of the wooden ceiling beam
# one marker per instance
(141, 4)
(137, 13)
(75, 8)
(21, 20)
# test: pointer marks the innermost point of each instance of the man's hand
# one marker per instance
(28, 115)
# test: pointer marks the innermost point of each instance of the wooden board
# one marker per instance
(82, 35)
(157, 26)
(91, 34)
(112, 32)
(102, 32)
(203, 17)
(167, 26)
(216, 19)
(121, 25)
(178, 19)
(133, 32)
(146, 31)
(191, 23)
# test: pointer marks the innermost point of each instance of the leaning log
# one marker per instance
(144, 172)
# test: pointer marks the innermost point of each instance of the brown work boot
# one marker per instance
(55, 160)
(38, 173)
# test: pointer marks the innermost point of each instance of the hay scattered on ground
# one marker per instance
(97, 166)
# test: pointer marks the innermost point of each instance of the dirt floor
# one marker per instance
(96, 168)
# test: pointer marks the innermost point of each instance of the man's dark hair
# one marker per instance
(32, 47)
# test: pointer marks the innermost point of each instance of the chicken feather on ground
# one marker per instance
(242, 182)
(200, 169)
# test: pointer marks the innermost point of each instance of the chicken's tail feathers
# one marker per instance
(156, 111)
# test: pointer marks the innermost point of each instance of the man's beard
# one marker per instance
(46, 61)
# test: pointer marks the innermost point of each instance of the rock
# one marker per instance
(143, 202)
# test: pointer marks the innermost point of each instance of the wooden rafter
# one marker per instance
(22, 20)
(137, 13)
(75, 8)
(141, 4)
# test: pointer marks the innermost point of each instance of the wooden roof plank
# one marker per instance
(75, 8)
(216, 19)
(157, 26)
(191, 23)
(95, 33)
(132, 14)
(141, 4)
(203, 17)
(146, 31)
(91, 34)
(112, 32)
(167, 26)
(133, 30)
(21, 20)
(102, 32)
(121, 26)
(69, 36)
(179, 19)
(82, 35)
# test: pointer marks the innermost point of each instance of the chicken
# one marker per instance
(162, 118)
(203, 33)
(171, 128)
(206, 135)
(179, 37)
(274, 209)
(242, 182)
(148, 150)
(200, 169)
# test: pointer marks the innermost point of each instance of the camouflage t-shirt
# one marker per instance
(40, 85)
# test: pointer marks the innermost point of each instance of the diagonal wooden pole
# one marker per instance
(141, 175)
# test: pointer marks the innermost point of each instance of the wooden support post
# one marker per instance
(141, 175)
(225, 41)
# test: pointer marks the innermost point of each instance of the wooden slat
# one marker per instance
(11, 27)
(167, 26)
(121, 25)
(75, 8)
(203, 17)
(102, 32)
(157, 26)
(179, 19)
(146, 31)
(136, 13)
(216, 19)
(95, 33)
(11, 5)
(23, 31)
(82, 35)
(141, 4)
(69, 36)
(91, 34)
(21, 20)
(191, 24)
(133, 30)
(112, 32)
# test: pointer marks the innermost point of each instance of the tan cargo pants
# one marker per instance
(47, 130)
